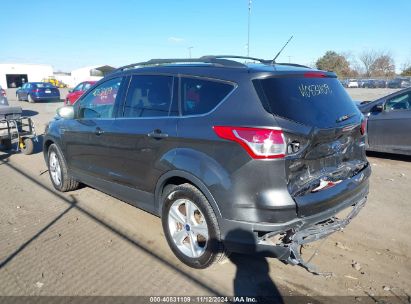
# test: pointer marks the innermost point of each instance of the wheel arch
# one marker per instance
(178, 177)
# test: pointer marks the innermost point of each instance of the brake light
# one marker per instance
(315, 75)
(259, 143)
(363, 126)
(35, 91)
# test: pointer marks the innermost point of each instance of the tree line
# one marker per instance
(370, 63)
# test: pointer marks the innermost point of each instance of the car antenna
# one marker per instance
(278, 54)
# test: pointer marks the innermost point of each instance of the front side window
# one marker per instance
(200, 96)
(401, 102)
(149, 96)
(99, 103)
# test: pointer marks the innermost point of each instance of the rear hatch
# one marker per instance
(325, 137)
(46, 90)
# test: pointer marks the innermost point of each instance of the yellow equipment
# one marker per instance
(57, 83)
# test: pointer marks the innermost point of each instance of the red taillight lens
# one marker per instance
(35, 90)
(259, 143)
(315, 75)
(363, 126)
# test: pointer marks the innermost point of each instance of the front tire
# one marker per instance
(58, 172)
(190, 226)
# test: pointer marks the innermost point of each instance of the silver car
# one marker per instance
(389, 122)
(3, 97)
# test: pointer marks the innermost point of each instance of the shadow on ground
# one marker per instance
(398, 157)
(29, 113)
(252, 274)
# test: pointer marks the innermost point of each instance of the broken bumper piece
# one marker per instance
(316, 232)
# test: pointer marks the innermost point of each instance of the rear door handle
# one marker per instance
(157, 134)
(98, 131)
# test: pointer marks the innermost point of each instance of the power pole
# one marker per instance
(248, 33)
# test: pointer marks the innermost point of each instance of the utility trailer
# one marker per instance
(17, 130)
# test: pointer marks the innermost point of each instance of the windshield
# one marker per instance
(319, 102)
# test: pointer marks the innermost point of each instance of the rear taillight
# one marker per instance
(35, 90)
(363, 126)
(2, 92)
(259, 143)
(315, 75)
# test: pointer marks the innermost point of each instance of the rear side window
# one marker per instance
(320, 102)
(149, 96)
(199, 96)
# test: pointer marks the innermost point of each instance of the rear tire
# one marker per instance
(30, 99)
(194, 239)
(28, 146)
(58, 172)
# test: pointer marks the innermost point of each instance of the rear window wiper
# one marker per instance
(345, 117)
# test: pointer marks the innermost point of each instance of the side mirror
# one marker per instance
(379, 108)
(66, 112)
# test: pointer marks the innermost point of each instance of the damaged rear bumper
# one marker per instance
(283, 241)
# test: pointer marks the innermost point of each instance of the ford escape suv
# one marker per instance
(256, 158)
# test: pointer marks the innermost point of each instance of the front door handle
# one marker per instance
(98, 131)
(157, 134)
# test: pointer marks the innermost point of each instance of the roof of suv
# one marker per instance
(216, 66)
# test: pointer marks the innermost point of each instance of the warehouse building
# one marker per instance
(13, 75)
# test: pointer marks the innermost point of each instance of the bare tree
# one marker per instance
(368, 57)
(383, 65)
(406, 68)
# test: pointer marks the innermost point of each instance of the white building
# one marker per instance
(12, 75)
(91, 73)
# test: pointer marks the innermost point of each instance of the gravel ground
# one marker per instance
(88, 243)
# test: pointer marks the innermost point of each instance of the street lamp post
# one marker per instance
(189, 51)
(248, 33)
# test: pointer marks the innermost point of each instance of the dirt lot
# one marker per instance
(88, 243)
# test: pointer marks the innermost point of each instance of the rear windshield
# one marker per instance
(320, 102)
(43, 85)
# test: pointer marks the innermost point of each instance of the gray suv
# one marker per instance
(255, 158)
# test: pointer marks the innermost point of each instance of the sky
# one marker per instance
(73, 34)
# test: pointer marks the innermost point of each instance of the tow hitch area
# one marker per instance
(293, 239)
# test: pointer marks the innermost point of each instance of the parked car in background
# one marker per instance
(37, 91)
(79, 90)
(352, 83)
(344, 82)
(389, 122)
(380, 83)
(399, 82)
(369, 83)
(232, 157)
(361, 82)
(3, 97)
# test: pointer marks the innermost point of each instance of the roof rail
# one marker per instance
(293, 64)
(264, 61)
(217, 60)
